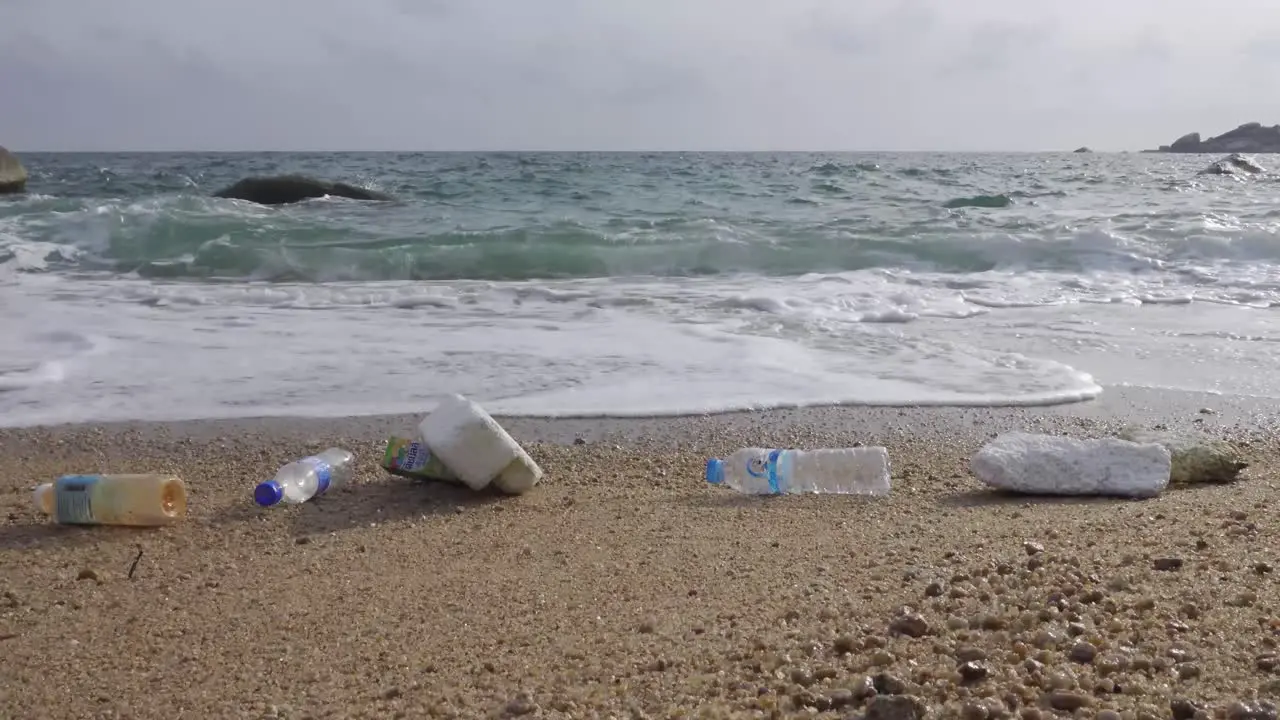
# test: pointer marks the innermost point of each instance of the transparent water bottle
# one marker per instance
(139, 500)
(301, 480)
(835, 471)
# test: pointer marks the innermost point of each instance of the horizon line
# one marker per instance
(562, 151)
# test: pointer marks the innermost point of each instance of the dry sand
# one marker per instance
(624, 587)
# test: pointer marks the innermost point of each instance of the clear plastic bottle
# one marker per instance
(301, 480)
(835, 471)
(140, 500)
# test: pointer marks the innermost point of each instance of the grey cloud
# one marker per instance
(465, 74)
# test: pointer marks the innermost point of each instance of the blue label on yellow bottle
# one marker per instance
(73, 499)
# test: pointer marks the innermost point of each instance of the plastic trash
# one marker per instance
(476, 448)
(140, 500)
(413, 459)
(835, 471)
(1054, 465)
(1196, 458)
(301, 480)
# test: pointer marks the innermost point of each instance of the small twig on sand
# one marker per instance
(134, 565)
(8, 636)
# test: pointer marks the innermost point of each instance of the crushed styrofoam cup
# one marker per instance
(1055, 465)
(476, 448)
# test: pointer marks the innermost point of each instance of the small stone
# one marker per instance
(886, 684)
(973, 711)
(1267, 663)
(1188, 671)
(1083, 652)
(846, 644)
(840, 698)
(1183, 709)
(1243, 599)
(1046, 639)
(87, 574)
(303, 540)
(521, 705)
(1032, 548)
(895, 707)
(863, 688)
(880, 658)
(911, 625)
(933, 589)
(1167, 564)
(969, 653)
(1202, 544)
(1240, 710)
(1262, 568)
(1068, 701)
(802, 677)
(973, 672)
(647, 626)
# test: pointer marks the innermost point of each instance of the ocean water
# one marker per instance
(630, 284)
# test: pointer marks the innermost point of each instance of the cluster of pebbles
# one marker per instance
(1044, 635)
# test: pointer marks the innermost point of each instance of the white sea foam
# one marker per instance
(107, 349)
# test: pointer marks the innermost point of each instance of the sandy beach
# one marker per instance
(625, 587)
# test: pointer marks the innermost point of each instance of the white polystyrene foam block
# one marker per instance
(1055, 465)
(476, 448)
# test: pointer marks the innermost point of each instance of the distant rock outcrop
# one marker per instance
(13, 177)
(1234, 164)
(1082, 150)
(1248, 138)
(285, 189)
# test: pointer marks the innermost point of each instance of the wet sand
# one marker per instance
(625, 587)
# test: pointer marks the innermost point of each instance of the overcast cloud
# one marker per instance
(631, 74)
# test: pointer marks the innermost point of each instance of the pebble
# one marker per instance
(1167, 563)
(1082, 652)
(1068, 701)
(896, 707)
(1183, 709)
(886, 684)
(1240, 710)
(911, 625)
(973, 672)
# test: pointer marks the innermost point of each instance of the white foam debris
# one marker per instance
(1055, 465)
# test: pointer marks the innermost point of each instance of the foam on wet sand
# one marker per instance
(623, 583)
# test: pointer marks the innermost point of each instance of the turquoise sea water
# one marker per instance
(583, 283)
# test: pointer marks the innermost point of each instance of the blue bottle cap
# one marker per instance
(715, 471)
(268, 493)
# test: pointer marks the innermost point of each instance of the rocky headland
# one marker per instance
(13, 177)
(1248, 138)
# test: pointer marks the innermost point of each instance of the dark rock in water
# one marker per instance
(1248, 138)
(13, 177)
(1234, 164)
(285, 189)
(1082, 150)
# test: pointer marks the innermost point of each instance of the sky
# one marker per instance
(979, 75)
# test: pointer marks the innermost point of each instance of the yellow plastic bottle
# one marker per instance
(138, 500)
